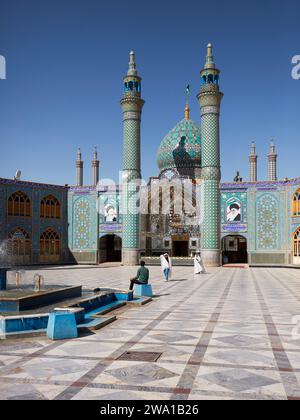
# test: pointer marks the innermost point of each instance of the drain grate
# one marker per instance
(140, 356)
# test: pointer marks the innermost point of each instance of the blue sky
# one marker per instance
(66, 59)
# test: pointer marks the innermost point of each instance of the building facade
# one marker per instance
(95, 224)
(185, 208)
(33, 224)
(268, 227)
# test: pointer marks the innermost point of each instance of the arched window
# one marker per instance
(19, 205)
(19, 242)
(210, 78)
(50, 207)
(296, 247)
(216, 79)
(50, 243)
(296, 204)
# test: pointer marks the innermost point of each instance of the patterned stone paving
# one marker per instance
(223, 335)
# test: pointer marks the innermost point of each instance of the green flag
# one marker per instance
(188, 89)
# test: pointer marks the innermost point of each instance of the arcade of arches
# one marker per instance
(19, 241)
(19, 245)
(19, 205)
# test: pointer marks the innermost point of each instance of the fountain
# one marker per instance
(38, 281)
(18, 295)
(19, 276)
(27, 304)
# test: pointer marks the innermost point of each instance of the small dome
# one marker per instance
(180, 150)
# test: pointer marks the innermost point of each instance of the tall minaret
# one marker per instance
(210, 100)
(79, 169)
(272, 163)
(253, 163)
(95, 167)
(132, 105)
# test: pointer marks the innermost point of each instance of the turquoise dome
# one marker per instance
(180, 150)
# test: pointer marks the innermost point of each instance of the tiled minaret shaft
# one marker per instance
(132, 105)
(210, 100)
(95, 167)
(79, 169)
(272, 163)
(253, 164)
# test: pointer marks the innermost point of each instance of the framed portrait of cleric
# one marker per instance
(233, 211)
(110, 214)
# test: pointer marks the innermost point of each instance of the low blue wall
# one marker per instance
(95, 302)
(9, 306)
(98, 301)
(11, 325)
(14, 324)
(127, 296)
(36, 300)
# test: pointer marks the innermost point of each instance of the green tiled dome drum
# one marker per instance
(181, 149)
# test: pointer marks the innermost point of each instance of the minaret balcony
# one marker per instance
(132, 94)
(210, 88)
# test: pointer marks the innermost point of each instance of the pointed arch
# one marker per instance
(50, 243)
(296, 203)
(19, 242)
(296, 246)
(18, 204)
(50, 207)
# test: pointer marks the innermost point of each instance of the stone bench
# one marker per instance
(62, 325)
(143, 290)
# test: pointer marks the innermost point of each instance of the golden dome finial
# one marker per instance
(187, 111)
(187, 107)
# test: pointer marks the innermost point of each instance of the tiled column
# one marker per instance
(132, 105)
(210, 99)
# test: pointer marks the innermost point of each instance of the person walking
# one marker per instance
(142, 276)
(198, 264)
(166, 266)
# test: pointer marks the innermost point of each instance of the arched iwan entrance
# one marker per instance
(180, 245)
(110, 249)
(296, 247)
(234, 250)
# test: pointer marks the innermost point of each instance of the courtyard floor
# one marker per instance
(229, 334)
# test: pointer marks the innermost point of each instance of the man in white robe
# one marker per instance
(198, 264)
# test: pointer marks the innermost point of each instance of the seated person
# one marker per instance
(142, 276)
